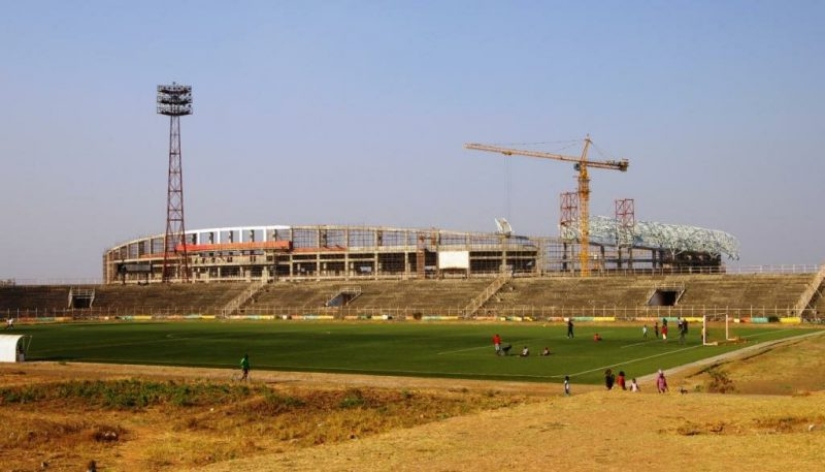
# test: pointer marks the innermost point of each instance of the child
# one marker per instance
(620, 380)
(644, 331)
(634, 387)
(546, 351)
(566, 385)
(661, 382)
(609, 379)
(245, 367)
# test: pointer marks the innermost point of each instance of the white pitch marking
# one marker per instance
(477, 348)
(631, 361)
(643, 342)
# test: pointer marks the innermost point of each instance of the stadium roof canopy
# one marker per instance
(652, 235)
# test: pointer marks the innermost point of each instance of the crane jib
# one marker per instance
(581, 165)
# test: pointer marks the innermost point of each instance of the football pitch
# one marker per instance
(448, 350)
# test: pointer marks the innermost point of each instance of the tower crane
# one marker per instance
(581, 165)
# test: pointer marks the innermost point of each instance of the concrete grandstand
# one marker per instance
(328, 252)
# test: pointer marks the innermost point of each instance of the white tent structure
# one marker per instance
(13, 347)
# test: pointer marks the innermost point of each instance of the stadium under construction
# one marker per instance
(329, 252)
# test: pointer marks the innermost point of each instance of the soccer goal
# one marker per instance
(716, 329)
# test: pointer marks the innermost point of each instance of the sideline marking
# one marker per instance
(627, 362)
(643, 342)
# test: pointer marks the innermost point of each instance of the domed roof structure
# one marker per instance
(653, 235)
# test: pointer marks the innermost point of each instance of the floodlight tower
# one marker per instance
(175, 101)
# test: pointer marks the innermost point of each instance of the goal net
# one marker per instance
(716, 329)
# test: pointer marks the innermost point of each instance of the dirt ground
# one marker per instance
(773, 421)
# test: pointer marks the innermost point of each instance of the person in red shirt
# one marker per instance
(620, 380)
(497, 344)
(664, 332)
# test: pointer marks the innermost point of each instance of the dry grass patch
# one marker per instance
(166, 425)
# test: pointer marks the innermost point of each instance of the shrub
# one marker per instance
(719, 382)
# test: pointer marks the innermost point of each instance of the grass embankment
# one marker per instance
(128, 424)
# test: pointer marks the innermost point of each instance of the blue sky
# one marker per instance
(355, 112)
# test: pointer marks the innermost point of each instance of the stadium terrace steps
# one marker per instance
(195, 298)
(735, 291)
(743, 291)
(572, 292)
(420, 294)
(292, 295)
(34, 298)
(762, 295)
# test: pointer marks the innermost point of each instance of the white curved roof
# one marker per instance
(8, 346)
(652, 235)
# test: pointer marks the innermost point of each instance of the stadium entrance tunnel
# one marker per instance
(344, 296)
(81, 297)
(665, 297)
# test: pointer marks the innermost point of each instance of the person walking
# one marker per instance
(497, 343)
(609, 379)
(569, 328)
(566, 385)
(661, 382)
(656, 329)
(245, 367)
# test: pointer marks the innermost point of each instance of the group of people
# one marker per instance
(504, 349)
(681, 325)
(620, 382)
(611, 380)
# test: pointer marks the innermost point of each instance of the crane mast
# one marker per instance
(581, 165)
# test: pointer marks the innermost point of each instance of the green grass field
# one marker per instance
(409, 349)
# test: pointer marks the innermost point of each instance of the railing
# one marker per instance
(242, 298)
(775, 269)
(477, 302)
(13, 282)
(780, 269)
(519, 313)
(746, 269)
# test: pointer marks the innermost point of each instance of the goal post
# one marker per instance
(716, 329)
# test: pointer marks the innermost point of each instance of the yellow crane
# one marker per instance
(581, 165)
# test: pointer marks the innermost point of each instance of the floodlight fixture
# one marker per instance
(174, 100)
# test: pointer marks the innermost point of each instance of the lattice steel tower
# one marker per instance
(175, 101)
